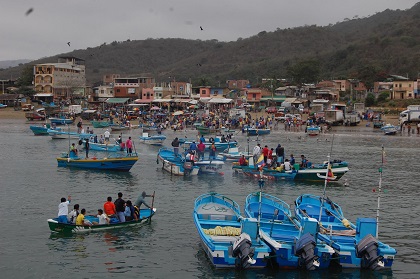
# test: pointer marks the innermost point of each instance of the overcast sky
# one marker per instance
(46, 29)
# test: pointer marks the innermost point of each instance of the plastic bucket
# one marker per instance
(296, 166)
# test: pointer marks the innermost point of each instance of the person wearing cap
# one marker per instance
(140, 200)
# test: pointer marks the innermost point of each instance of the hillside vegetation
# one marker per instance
(364, 48)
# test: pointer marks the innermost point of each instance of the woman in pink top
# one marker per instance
(129, 146)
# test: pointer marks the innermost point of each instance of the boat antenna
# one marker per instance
(379, 192)
(327, 177)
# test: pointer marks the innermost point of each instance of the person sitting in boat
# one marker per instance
(129, 211)
(304, 162)
(287, 165)
(101, 140)
(243, 161)
(80, 220)
(190, 156)
(223, 139)
(73, 150)
(71, 218)
(102, 217)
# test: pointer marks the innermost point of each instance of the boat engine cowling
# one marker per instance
(305, 250)
(243, 251)
(188, 167)
(367, 249)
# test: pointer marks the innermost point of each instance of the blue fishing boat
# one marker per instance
(61, 120)
(217, 142)
(312, 171)
(355, 245)
(100, 124)
(228, 239)
(313, 131)
(389, 129)
(152, 140)
(116, 163)
(175, 163)
(209, 166)
(294, 244)
(61, 134)
(256, 131)
(258, 172)
(42, 130)
(233, 154)
(110, 147)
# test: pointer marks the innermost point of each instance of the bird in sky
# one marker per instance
(29, 11)
(68, 43)
(201, 28)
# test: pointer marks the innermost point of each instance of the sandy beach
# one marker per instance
(10, 113)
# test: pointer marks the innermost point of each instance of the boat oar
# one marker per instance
(151, 208)
(276, 212)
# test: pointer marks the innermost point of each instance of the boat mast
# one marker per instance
(326, 179)
(379, 193)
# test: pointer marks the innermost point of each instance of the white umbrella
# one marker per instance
(179, 112)
(155, 108)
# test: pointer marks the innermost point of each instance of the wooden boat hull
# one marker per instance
(61, 121)
(153, 140)
(100, 124)
(113, 164)
(257, 132)
(56, 227)
(282, 233)
(345, 236)
(212, 211)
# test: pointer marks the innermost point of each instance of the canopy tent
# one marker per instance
(44, 95)
(137, 105)
(143, 101)
(162, 101)
(179, 112)
(193, 102)
(182, 100)
(89, 111)
(220, 101)
(117, 100)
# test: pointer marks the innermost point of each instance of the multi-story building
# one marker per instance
(403, 89)
(237, 84)
(132, 87)
(64, 80)
(103, 92)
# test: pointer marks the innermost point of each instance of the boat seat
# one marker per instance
(282, 237)
(269, 216)
(223, 238)
(214, 223)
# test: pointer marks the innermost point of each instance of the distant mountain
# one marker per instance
(13, 63)
(365, 48)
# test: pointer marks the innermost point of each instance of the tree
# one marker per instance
(370, 100)
(26, 76)
(305, 71)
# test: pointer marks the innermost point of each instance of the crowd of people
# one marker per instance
(112, 212)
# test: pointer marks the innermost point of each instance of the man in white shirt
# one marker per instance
(103, 218)
(106, 135)
(63, 210)
(256, 152)
(287, 165)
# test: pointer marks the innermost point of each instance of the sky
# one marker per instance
(35, 29)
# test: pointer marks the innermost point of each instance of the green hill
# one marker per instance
(365, 48)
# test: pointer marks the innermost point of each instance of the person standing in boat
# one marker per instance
(106, 135)
(140, 200)
(63, 210)
(87, 146)
(79, 126)
(201, 147)
(256, 152)
(129, 146)
(120, 207)
(280, 154)
(212, 151)
(175, 145)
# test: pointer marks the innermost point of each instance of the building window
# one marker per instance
(254, 96)
(118, 90)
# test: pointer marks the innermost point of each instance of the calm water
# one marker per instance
(32, 185)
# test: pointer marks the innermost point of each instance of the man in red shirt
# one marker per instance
(109, 208)
(265, 153)
(201, 147)
(242, 161)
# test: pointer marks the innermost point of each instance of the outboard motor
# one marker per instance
(367, 249)
(188, 166)
(305, 250)
(243, 252)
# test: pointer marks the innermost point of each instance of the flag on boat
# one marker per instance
(260, 161)
(330, 173)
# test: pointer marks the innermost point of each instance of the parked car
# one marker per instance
(245, 105)
(27, 107)
(34, 116)
(271, 110)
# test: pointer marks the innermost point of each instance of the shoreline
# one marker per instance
(10, 113)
